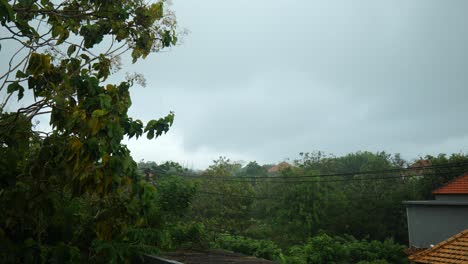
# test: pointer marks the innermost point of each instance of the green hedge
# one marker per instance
(259, 248)
(340, 250)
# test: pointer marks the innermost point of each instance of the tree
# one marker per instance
(223, 203)
(153, 171)
(78, 173)
(252, 169)
(442, 174)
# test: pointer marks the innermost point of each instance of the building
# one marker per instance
(281, 166)
(430, 222)
(452, 250)
(419, 167)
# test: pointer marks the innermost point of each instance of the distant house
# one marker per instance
(418, 167)
(452, 250)
(278, 167)
(430, 222)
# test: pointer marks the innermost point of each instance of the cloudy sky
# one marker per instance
(266, 79)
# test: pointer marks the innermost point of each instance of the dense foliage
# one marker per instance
(71, 193)
(318, 249)
(266, 249)
(286, 214)
(327, 249)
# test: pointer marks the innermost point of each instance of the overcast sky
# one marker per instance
(266, 79)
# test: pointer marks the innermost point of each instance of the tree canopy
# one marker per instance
(71, 193)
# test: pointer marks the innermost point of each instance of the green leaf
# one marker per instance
(26, 2)
(103, 67)
(150, 125)
(156, 11)
(167, 38)
(20, 93)
(170, 118)
(63, 36)
(93, 124)
(20, 74)
(71, 49)
(150, 134)
(15, 86)
(45, 3)
(39, 63)
(105, 101)
(98, 113)
(6, 12)
(29, 242)
(85, 57)
(92, 34)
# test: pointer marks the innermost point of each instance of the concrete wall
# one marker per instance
(431, 224)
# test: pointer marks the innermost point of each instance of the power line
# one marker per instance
(276, 198)
(324, 181)
(285, 180)
(355, 173)
(367, 197)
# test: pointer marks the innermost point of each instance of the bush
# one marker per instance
(259, 248)
(190, 235)
(328, 249)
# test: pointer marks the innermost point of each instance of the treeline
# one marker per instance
(356, 197)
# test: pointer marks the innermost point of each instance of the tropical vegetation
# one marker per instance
(70, 192)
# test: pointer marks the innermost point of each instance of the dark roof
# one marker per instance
(452, 250)
(214, 256)
(458, 185)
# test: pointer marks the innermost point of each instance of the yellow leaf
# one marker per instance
(46, 63)
(94, 125)
(128, 181)
(75, 145)
(107, 180)
(105, 159)
(104, 231)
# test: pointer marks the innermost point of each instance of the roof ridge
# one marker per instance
(439, 245)
(452, 181)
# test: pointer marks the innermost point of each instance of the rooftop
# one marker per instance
(214, 256)
(458, 185)
(452, 250)
(279, 167)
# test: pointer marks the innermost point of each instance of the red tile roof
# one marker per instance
(458, 185)
(279, 167)
(452, 250)
(421, 163)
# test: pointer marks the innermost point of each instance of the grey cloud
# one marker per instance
(273, 78)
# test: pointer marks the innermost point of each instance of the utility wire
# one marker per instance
(367, 197)
(447, 165)
(322, 181)
(286, 180)
(276, 198)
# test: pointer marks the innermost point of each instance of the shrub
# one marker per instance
(260, 248)
(335, 249)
